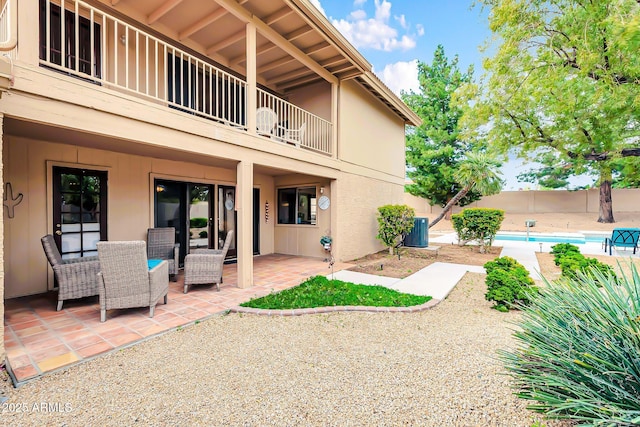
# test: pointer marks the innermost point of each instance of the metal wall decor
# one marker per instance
(11, 202)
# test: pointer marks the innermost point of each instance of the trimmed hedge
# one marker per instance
(478, 225)
(508, 284)
(394, 223)
(571, 262)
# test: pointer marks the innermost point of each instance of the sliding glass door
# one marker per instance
(200, 220)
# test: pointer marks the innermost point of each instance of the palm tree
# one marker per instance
(480, 172)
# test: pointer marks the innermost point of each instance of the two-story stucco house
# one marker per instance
(204, 115)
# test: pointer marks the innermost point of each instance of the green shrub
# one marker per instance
(394, 223)
(578, 352)
(571, 261)
(203, 234)
(561, 249)
(198, 222)
(508, 284)
(478, 225)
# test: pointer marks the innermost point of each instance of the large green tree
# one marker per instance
(434, 149)
(564, 88)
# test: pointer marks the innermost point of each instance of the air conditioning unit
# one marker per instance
(419, 236)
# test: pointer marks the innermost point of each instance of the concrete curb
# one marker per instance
(347, 308)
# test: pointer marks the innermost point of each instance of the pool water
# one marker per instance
(551, 239)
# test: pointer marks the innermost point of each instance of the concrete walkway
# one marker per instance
(439, 279)
(435, 280)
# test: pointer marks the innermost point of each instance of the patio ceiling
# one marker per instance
(293, 47)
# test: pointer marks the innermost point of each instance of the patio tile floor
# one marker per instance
(38, 339)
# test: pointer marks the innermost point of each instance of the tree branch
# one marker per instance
(599, 157)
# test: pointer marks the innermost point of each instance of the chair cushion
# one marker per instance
(153, 263)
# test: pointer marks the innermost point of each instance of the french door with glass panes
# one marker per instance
(79, 210)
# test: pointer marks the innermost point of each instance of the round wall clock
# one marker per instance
(323, 202)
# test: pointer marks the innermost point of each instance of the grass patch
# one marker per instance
(318, 291)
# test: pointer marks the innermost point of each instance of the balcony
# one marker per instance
(88, 43)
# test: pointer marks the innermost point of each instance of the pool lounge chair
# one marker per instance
(623, 238)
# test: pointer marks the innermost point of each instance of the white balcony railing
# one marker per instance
(297, 126)
(8, 21)
(118, 56)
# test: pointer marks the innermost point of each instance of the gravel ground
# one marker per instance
(434, 368)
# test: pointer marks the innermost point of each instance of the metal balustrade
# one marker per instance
(7, 30)
(297, 126)
(105, 50)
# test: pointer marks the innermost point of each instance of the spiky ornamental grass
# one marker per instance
(578, 353)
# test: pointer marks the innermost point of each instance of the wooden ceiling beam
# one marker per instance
(227, 42)
(197, 26)
(298, 82)
(333, 61)
(162, 10)
(275, 64)
(273, 36)
(290, 75)
(266, 47)
(278, 15)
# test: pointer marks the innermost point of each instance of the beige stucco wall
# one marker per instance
(580, 201)
(370, 135)
(314, 98)
(2, 281)
(300, 239)
(357, 205)
(130, 200)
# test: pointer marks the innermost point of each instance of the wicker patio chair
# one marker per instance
(125, 280)
(204, 266)
(76, 276)
(161, 244)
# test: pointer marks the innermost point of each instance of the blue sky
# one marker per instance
(394, 34)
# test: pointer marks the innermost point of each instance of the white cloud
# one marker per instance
(376, 33)
(318, 6)
(400, 76)
(358, 15)
(383, 10)
(402, 21)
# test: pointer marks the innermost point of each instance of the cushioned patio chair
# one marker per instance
(623, 238)
(204, 266)
(77, 277)
(125, 280)
(161, 244)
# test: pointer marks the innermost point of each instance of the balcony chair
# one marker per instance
(161, 245)
(622, 237)
(77, 277)
(125, 279)
(266, 120)
(292, 136)
(204, 266)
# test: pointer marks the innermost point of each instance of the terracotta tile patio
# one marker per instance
(39, 339)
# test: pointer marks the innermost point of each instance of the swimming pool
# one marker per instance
(550, 238)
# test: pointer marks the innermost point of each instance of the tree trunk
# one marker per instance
(454, 201)
(606, 205)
